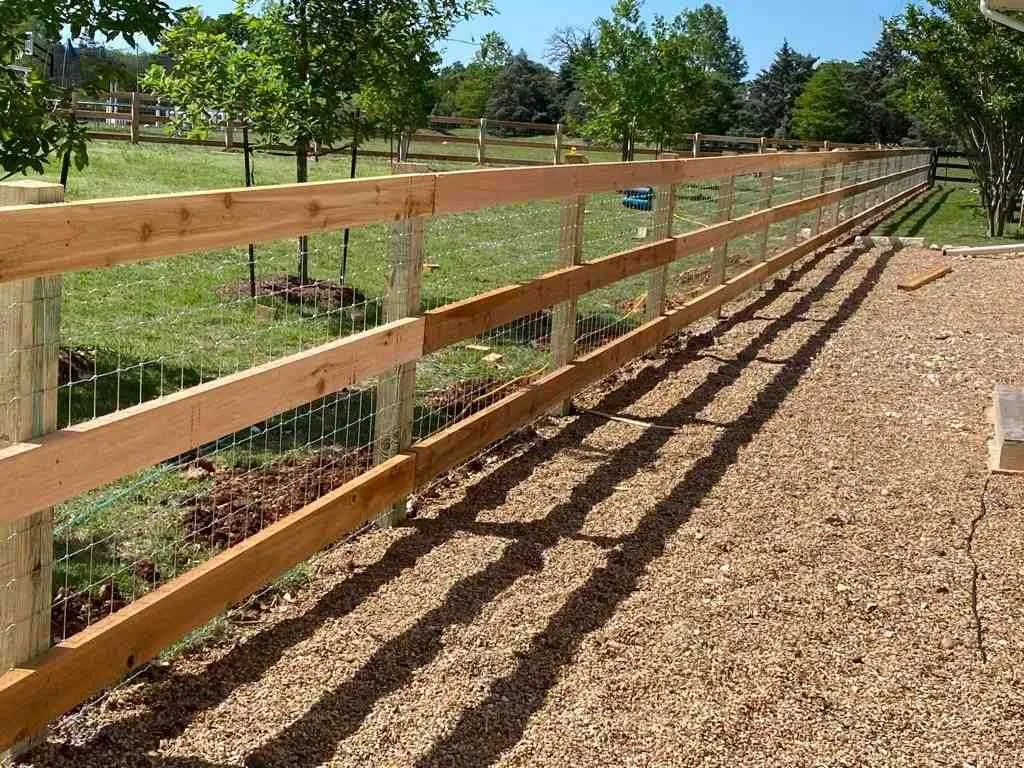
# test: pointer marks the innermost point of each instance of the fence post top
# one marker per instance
(30, 184)
(30, 192)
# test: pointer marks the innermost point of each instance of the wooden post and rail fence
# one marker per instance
(134, 110)
(40, 468)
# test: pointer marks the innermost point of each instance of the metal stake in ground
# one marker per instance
(246, 152)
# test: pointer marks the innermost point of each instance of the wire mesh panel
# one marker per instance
(127, 335)
(614, 222)
(133, 333)
(472, 253)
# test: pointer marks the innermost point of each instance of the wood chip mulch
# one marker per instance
(802, 561)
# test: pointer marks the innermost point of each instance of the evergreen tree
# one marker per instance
(826, 108)
(880, 88)
(525, 91)
(768, 105)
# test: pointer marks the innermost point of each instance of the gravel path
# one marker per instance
(788, 569)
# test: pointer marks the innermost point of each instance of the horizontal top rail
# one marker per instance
(54, 468)
(37, 240)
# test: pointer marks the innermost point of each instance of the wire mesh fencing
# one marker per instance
(128, 335)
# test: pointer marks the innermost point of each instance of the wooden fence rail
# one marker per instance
(136, 108)
(42, 240)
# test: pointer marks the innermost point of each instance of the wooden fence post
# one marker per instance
(481, 142)
(767, 187)
(570, 252)
(395, 410)
(29, 352)
(664, 213)
(229, 133)
(762, 145)
(558, 143)
(696, 145)
(839, 185)
(822, 186)
(720, 257)
(134, 126)
(795, 226)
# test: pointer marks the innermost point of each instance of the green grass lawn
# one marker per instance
(156, 327)
(946, 215)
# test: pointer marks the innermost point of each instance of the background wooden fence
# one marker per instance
(138, 117)
(951, 167)
(761, 212)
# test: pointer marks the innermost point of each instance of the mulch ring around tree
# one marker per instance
(324, 294)
(244, 500)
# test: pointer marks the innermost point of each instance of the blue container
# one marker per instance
(638, 198)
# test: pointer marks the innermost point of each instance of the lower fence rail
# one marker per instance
(70, 672)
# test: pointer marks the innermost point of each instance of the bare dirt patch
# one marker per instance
(323, 294)
(245, 500)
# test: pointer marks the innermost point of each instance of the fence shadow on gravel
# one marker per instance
(933, 201)
(487, 729)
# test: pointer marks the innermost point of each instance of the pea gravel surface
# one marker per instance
(771, 542)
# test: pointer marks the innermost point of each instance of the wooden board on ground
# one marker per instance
(919, 281)
(1007, 449)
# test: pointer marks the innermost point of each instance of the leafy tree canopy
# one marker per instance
(31, 129)
(526, 91)
(965, 72)
(826, 107)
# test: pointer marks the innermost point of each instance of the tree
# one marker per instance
(965, 73)
(474, 88)
(709, 101)
(826, 107)
(325, 67)
(215, 76)
(618, 80)
(713, 49)
(768, 106)
(32, 128)
(525, 91)
(880, 89)
(444, 87)
(661, 83)
(569, 48)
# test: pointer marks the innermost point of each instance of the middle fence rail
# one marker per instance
(185, 420)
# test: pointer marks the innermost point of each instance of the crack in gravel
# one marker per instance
(979, 632)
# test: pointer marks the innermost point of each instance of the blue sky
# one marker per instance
(840, 30)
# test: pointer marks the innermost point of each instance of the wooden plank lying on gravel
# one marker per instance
(75, 669)
(59, 466)
(921, 280)
(1007, 454)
